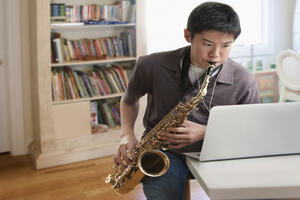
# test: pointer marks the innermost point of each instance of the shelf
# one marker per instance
(90, 62)
(88, 99)
(74, 26)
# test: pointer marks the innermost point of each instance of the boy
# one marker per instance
(173, 76)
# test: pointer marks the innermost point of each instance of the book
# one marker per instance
(93, 85)
(92, 47)
(72, 81)
(108, 115)
(59, 45)
(60, 85)
(67, 55)
(125, 10)
(68, 89)
(54, 9)
(116, 115)
(122, 73)
(112, 81)
(98, 83)
(82, 49)
(80, 84)
(104, 48)
(70, 85)
(120, 79)
(88, 85)
(68, 13)
(77, 50)
(117, 80)
(98, 48)
(71, 49)
(58, 49)
(94, 114)
(105, 79)
(54, 86)
(132, 13)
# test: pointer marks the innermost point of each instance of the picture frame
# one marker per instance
(267, 86)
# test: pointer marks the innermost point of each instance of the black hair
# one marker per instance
(214, 16)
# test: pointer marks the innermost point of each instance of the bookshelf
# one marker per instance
(63, 122)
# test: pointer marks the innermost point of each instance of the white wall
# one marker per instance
(283, 36)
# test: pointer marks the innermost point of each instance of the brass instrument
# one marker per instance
(151, 161)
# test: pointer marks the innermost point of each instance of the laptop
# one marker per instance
(252, 130)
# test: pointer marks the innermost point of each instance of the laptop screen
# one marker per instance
(252, 130)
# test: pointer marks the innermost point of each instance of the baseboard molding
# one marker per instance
(46, 160)
(73, 150)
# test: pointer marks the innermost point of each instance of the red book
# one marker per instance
(77, 50)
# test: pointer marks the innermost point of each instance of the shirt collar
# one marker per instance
(226, 73)
(173, 60)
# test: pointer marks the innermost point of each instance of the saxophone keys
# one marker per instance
(164, 148)
(110, 179)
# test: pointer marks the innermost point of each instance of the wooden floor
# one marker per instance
(78, 181)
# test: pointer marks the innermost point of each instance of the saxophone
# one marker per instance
(150, 161)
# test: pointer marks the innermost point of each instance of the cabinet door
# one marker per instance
(72, 120)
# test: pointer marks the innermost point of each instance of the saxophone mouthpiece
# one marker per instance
(212, 63)
(210, 68)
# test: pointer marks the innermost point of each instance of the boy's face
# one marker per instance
(209, 46)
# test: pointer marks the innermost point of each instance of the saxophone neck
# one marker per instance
(199, 97)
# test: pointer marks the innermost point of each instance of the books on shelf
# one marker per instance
(68, 84)
(109, 112)
(100, 85)
(122, 11)
(65, 50)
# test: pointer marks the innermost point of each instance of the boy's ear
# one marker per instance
(187, 35)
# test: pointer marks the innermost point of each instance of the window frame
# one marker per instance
(267, 45)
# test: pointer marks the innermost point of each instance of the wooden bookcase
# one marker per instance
(62, 131)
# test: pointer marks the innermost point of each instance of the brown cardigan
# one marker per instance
(159, 76)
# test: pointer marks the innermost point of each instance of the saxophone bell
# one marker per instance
(153, 163)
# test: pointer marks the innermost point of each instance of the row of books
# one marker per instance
(65, 50)
(68, 84)
(122, 11)
(106, 112)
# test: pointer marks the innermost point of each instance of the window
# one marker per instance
(166, 20)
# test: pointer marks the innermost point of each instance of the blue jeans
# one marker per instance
(171, 185)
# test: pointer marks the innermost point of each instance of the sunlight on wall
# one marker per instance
(165, 22)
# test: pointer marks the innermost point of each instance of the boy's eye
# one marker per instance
(207, 44)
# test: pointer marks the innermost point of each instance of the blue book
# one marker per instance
(54, 10)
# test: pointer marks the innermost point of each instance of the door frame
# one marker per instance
(14, 78)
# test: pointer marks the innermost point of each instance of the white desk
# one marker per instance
(275, 177)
